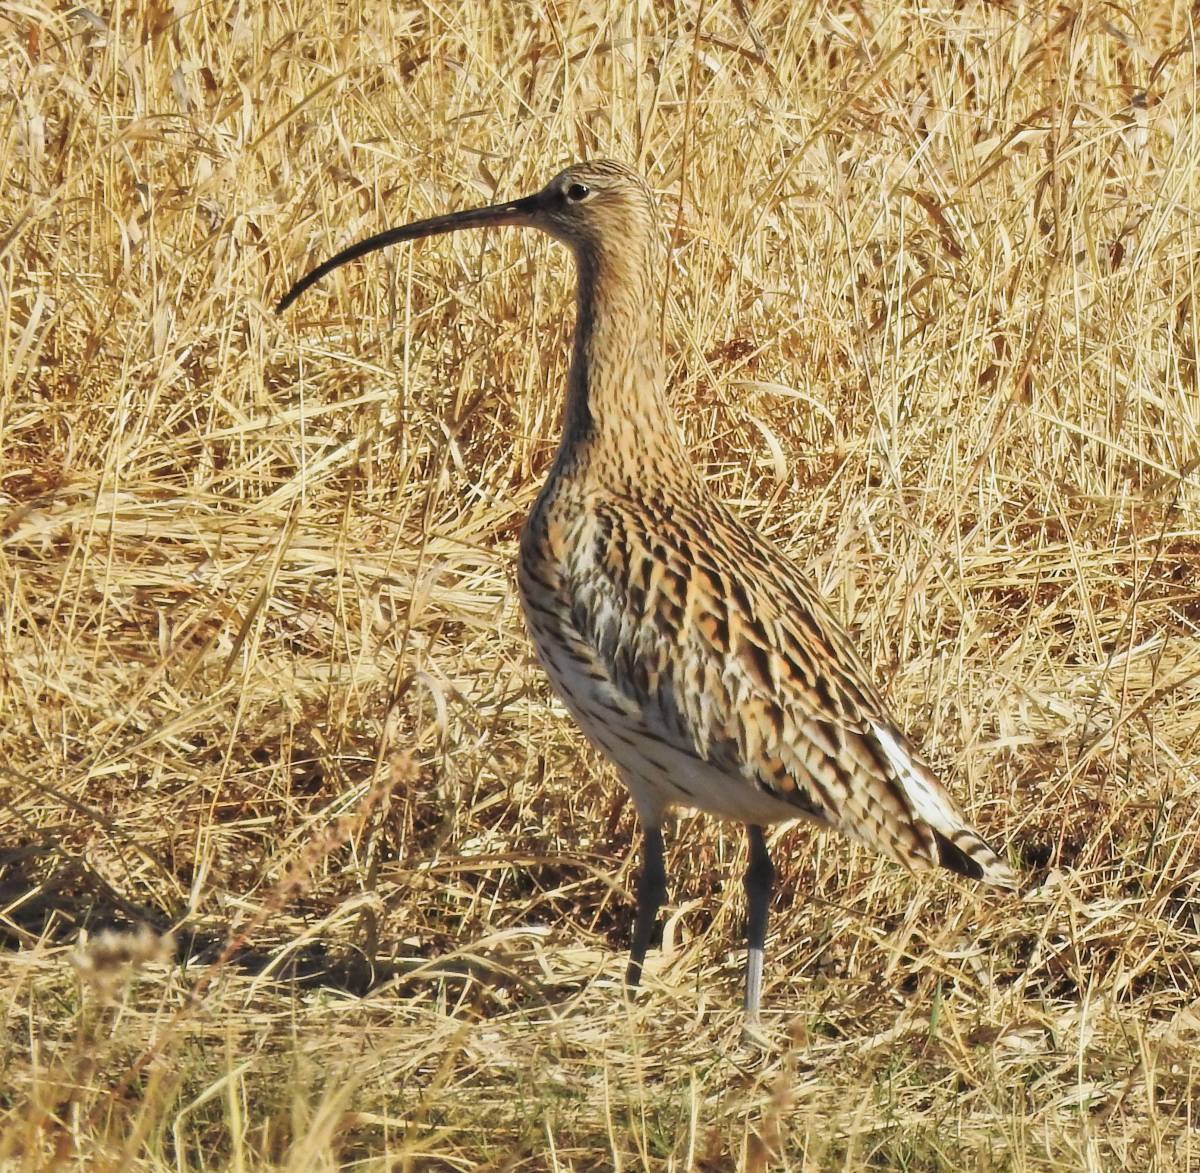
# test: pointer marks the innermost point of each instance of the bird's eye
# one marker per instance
(577, 192)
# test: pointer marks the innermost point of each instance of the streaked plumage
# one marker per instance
(689, 649)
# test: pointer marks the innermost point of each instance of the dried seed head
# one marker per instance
(106, 962)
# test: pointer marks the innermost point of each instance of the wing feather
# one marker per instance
(732, 660)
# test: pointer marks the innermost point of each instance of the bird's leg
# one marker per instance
(651, 892)
(760, 875)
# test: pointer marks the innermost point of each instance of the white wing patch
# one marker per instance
(926, 801)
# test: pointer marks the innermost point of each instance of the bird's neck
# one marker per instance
(617, 422)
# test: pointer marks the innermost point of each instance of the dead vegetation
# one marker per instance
(302, 865)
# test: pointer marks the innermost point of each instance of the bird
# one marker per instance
(690, 650)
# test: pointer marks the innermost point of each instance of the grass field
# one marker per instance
(301, 864)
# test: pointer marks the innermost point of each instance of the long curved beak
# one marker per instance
(520, 212)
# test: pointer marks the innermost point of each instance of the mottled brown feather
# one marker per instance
(689, 648)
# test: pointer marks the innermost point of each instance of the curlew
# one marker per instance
(689, 649)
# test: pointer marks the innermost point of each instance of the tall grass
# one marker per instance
(302, 865)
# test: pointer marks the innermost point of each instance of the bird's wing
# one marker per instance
(727, 654)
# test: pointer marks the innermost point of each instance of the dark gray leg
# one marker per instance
(760, 875)
(651, 892)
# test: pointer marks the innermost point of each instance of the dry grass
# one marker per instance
(932, 313)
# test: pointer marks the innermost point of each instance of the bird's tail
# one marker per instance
(958, 846)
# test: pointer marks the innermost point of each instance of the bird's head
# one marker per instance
(596, 205)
